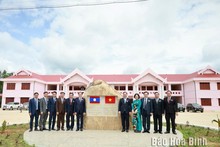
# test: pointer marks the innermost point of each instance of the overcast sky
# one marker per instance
(168, 36)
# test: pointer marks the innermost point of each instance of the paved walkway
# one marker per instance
(97, 138)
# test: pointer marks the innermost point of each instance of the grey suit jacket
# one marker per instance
(43, 105)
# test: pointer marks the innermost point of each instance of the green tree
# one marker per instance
(3, 74)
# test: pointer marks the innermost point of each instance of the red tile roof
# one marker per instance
(118, 77)
(114, 78)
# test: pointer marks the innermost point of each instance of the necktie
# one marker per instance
(36, 102)
(70, 101)
(145, 102)
(45, 102)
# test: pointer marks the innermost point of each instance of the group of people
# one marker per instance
(57, 108)
(142, 109)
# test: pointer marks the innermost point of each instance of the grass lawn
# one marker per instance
(13, 136)
(212, 136)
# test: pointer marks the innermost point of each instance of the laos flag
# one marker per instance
(94, 99)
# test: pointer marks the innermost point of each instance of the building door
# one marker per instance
(9, 99)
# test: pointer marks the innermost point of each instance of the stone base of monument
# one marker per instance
(103, 123)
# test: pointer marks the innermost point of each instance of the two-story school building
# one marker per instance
(201, 87)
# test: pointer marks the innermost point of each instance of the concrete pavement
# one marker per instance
(98, 138)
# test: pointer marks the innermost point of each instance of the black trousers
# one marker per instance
(32, 117)
(146, 121)
(170, 116)
(125, 121)
(157, 120)
(79, 117)
(52, 119)
(69, 116)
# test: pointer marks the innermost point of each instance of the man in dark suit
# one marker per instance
(43, 111)
(158, 111)
(52, 110)
(124, 109)
(60, 109)
(34, 107)
(170, 106)
(80, 110)
(69, 108)
(146, 111)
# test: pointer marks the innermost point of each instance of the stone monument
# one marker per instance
(102, 107)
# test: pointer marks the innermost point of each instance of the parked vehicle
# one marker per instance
(181, 107)
(194, 107)
(11, 106)
(25, 106)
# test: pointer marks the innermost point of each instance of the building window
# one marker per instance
(149, 87)
(206, 101)
(204, 86)
(9, 99)
(52, 87)
(176, 87)
(155, 88)
(122, 88)
(116, 87)
(70, 87)
(165, 88)
(143, 87)
(24, 100)
(25, 86)
(219, 101)
(130, 88)
(10, 86)
(218, 86)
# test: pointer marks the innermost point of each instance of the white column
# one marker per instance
(126, 87)
(46, 87)
(161, 91)
(169, 87)
(58, 88)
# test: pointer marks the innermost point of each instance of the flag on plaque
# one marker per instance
(109, 99)
(94, 99)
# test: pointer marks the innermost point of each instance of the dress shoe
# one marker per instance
(127, 131)
(122, 130)
(41, 129)
(144, 131)
(53, 129)
(71, 129)
(147, 131)
(58, 129)
(160, 132)
(77, 129)
(174, 133)
(81, 129)
(36, 129)
(63, 130)
(30, 130)
(166, 132)
(155, 132)
(44, 129)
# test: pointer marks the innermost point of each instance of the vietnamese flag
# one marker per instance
(109, 99)
(94, 99)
